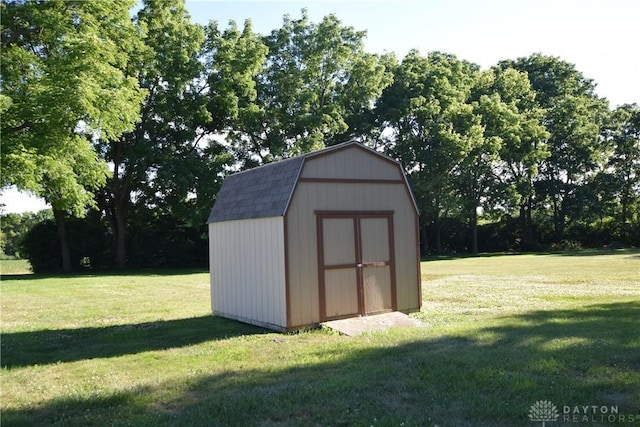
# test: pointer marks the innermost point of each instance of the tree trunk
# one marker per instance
(474, 230)
(120, 197)
(65, 252)
(558, 222)
(121, 235)
(529, 232)
(424, 239)
(438, 226)
(526, 224)
(523, 227)
(624, 204)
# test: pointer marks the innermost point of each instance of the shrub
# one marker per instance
(89, 245)
(163, 242)
(566, 245)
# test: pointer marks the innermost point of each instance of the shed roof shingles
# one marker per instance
(257, 193)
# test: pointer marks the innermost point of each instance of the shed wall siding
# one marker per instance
(248, 270)
(351, 163)
(328, 196)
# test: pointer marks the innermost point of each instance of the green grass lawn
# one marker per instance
(14, 266)
(501, 333)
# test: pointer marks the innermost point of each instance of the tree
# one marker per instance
(428, 126)
(15, 227)
(154, 157)
(63, 86)
(511, 116)
(88, 243)
(315, 82)
(233, 59)
(624, 166)
(475, 176)
(574, 117)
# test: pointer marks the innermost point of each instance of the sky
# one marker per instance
(600, 37)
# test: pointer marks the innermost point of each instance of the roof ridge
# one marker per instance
(303, 155)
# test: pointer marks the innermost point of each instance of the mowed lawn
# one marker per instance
(501, 333)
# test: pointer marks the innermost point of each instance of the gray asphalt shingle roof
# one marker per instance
(257, 193)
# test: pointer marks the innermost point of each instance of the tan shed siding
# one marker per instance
(302, 246)
(350, 163)
(407, 262)
(248, 271)
(302, 265)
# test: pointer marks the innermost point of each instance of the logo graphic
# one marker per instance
(543, 411)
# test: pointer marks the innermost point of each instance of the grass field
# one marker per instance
(14, 266)
(501, 333)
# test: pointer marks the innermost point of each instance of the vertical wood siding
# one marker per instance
(248, 270)
(350, 163)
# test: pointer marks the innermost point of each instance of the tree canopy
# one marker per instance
(135, 120)
(63, 85)
(315, 80)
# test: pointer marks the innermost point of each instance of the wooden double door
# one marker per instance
(356, 263)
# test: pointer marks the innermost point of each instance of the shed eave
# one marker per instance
(218, 221)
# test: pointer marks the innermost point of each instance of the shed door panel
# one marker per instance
(340, 269)
(377, 289)
(376, 264)
(374, 234)
(341, 292)
(339, 242)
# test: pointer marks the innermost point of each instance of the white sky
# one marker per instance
(601, 37)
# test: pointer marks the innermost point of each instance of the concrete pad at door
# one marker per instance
(355, 326)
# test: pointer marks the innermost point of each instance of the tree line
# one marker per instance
(127, 127)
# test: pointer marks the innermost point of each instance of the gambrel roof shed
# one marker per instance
(321, 236)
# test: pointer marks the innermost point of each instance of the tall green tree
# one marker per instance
(315, 83)
(574, 117)
(475, 176)
(624, 166)
(64, 86)
(233, 58)
(511, 117)
(428, 125)
(154, 157)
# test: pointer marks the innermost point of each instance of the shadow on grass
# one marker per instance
(590, 252)
(68, 345)
(489, 377)
(580, 253)
(138, 273)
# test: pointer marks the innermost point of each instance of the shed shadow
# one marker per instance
(138, 273)
(49, 346)
(580, 253)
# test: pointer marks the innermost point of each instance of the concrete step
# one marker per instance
(356, 326)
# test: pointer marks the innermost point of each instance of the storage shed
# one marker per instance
(321, 236)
